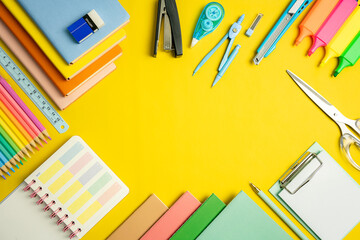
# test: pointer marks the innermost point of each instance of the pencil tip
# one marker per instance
(37, 148)
(12, 169)
(21, 162)
(8, 173)
(49, 138)
(17, 166)
(3, 177)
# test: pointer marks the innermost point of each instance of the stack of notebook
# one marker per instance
(37, 33)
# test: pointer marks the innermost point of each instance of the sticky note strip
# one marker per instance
(81, 163)
(110, 193)
(78, 203)
(71, 191)
(90, 173)
(71, 153)
(88, 213)
(203, 216)
(172, 220)
(60, 182)
(50, 172)
(141, 220)
(100, 183)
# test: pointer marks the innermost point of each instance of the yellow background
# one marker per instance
(163, 131)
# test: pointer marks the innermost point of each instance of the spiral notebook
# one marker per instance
(64, 198)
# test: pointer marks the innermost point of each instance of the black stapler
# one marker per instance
(172, 31)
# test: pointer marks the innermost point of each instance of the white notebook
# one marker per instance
(74, 186)
(329, 203)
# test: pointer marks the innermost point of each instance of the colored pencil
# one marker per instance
(24, 107)
(18, 119)
(8, 156)
(10, 150)
(12, 157)
(4, 169)
(14, 132)
(6, 163)
(18, 126)
(9, 100)
(12, 143)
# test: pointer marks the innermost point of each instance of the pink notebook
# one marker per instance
(35, 70)
(173, 219)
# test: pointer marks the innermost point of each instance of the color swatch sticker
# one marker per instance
(80, 184)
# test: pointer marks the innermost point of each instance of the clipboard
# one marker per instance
(291, 189)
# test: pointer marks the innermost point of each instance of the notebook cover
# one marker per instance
(140, 220)
(39, 75)
(79, 182)
(53, 17)
(172, 220)
(68, 71)
(243, 219)
(65, 87)
(203, 216)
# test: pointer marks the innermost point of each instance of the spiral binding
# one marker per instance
(48, 207)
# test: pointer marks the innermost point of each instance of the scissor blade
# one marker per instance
(319, 100)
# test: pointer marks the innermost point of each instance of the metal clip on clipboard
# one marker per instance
(296, 169)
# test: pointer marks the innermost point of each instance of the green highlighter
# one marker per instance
(203, 216)
(350, 56)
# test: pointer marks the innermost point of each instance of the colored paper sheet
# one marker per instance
(141, 220)
(172, 220)
(243, 219)
(205, 214)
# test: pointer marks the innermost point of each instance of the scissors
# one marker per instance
(347, 138)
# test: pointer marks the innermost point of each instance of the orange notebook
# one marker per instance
(65, 87)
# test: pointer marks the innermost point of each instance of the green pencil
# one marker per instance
(9, 149)
(11, 142)
(278, 212)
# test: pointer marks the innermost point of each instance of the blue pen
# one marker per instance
(226, 65)
(233, 32)
(294, 9)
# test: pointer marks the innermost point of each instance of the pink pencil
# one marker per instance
(24, 107)
(18, 118)
(332, 24)
(21, 113)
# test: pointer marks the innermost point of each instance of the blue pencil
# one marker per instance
(5, 164)
(9, 157)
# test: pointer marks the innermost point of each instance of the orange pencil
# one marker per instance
(315, 18)
(17, 125)
(23, 115)
(18, 119)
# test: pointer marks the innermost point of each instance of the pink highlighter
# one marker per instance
(332, 24)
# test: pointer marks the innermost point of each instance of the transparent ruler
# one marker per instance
(32, 92)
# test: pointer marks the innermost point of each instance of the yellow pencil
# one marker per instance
(14, 132)
(13, 136)
(15, 122)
